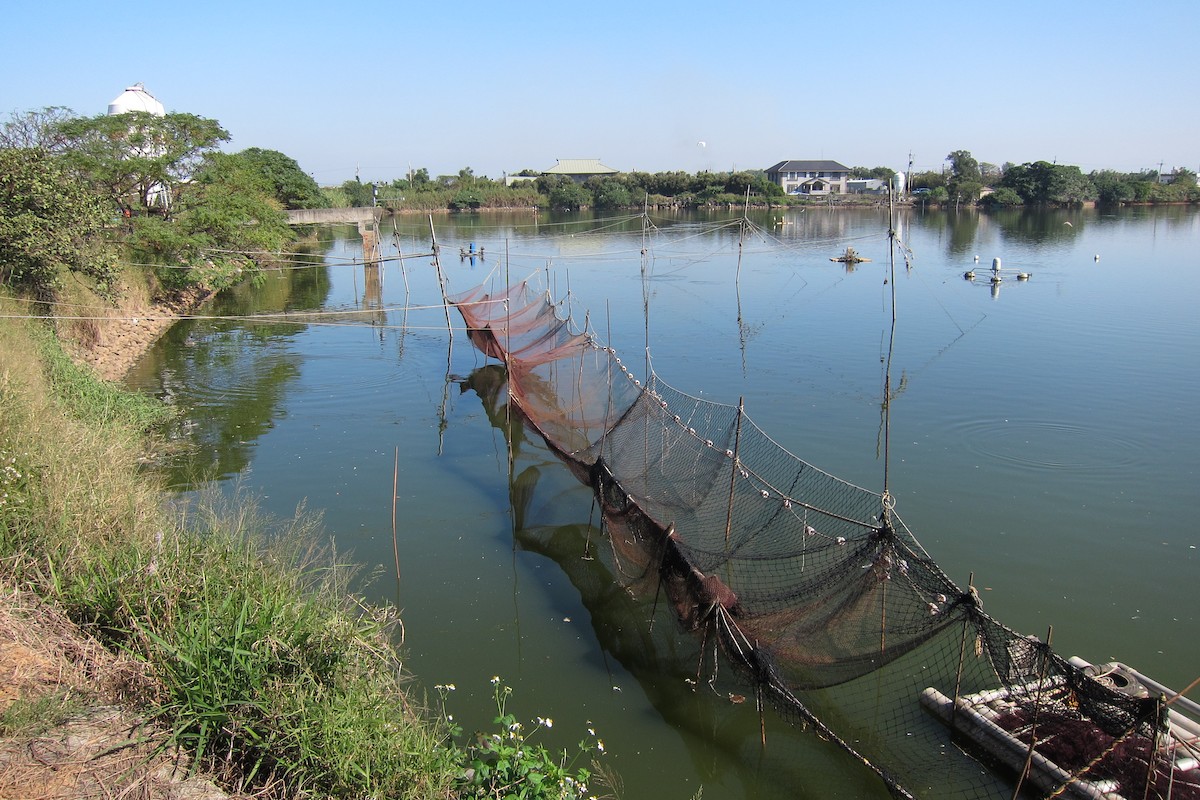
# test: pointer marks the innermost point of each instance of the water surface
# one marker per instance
(1042, 440)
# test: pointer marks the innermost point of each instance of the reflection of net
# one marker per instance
(816, 591)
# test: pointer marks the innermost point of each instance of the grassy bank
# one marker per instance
(246, 643)
(257, 659)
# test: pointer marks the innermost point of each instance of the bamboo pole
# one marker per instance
(437, 264)
(737, 442)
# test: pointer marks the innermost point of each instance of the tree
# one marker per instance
(965, 177)
(226, 223)
(1042, 182)
(50, 225)
(1112, 188)
(1002, 197)
(36, 129)
(609, 193)
(881, 173)
(359, 193)
(135, 158)
(290, 185)
(564, 194)
(927, 180)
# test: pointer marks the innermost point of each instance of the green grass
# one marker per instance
(261, 662)
(264, 665)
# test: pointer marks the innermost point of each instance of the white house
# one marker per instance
(810, 177)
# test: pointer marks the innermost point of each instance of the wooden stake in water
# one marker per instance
(437, 264)
(395, 544)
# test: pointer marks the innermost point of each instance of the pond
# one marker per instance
(1042, 441)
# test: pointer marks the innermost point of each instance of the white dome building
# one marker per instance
(136, 98)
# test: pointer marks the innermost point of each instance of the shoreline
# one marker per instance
(115, 343)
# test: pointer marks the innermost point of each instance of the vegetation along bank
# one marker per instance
(162, 650)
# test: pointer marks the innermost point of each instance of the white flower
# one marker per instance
(495, 680)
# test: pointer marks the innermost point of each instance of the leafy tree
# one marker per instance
(565, 194)
(671, 184)
(290, 185)
(927, 180)
(1112, 188)
(609, 193)
(966, 179)
(1068, 185)
(1042, 182)
(134, 158)
(1183, 176)
(467, 199)
(882, 173)
(50, 225)
(226, 222)
(36, 129)
(359, 194)
(1002, 197)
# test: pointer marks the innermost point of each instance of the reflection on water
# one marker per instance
(1044, 441)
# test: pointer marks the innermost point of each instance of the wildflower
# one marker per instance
(600, 745)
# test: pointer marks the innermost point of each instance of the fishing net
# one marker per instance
(818, 594)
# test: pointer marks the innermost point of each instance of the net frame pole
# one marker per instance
(437, 265)
(962, 655)
(1037, 705)
(737, 441)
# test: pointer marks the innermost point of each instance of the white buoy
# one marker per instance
(1096, 257)
(996, 264)
(969, 274)
(976, 259)
(1023, 276)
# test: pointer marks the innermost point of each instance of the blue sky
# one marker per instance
(499, 87)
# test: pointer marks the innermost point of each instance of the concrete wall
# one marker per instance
(333, 216)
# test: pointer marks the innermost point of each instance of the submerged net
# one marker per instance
(816, 591)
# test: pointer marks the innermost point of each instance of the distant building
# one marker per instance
(136, 98)
(866, 186)
(580, 169)
(810, 177)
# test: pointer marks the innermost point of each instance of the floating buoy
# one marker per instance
(969, 274)
(976, 259)
(996, 264)
(1096, 257)
(1023, 276)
